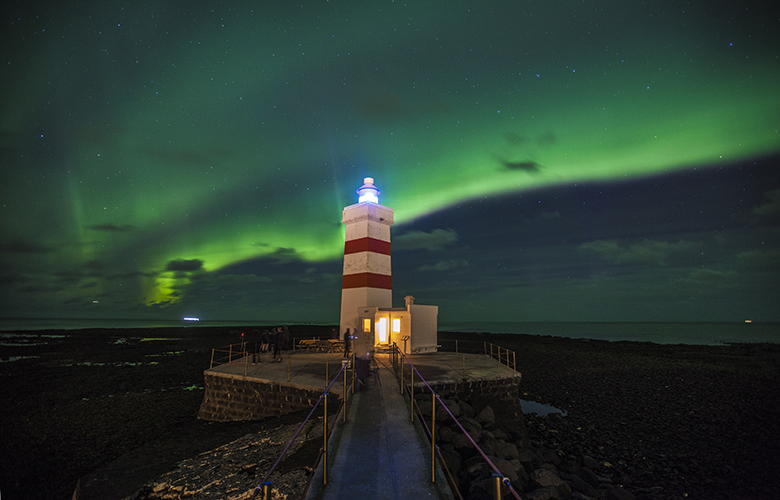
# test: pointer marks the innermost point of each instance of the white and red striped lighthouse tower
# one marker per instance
(367, 276)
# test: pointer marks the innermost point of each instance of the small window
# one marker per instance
(396, 325)
(366, 324)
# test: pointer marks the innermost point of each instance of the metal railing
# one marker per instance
(225, 355)
(265, 486)
(398, 360)
(504, 356)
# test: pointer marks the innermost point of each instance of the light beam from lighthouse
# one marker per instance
(367, 273)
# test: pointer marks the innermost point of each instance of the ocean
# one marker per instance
(660, 333)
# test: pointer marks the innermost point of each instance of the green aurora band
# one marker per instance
(243, 134)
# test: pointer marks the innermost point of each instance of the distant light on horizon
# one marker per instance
(191, 319)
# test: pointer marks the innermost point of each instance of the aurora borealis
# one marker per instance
(546, 161)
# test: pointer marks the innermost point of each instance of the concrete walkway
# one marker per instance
(378, 453)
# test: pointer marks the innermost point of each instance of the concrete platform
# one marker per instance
(378, 452)
(309, 368)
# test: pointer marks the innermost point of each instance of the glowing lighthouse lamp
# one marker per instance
(368, 192)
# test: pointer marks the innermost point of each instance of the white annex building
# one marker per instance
(366, 290)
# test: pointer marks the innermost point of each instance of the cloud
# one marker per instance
(27, 247)
(445, 265)
(771, 208)
(180, 265)
(647, 252)
(761, 260)
(525, 166)
(712, 275)
(434, 240)
(113, 228)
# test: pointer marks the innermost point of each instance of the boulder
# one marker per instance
(546, 493)
(584, 473)
(579, 485)
(486, 416)
(590, 462)
(549, 456)
(461, 441)
(618, 493)
(545, 477)
(451, 405)
(466, 409)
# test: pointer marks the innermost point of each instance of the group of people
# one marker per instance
(274, 339)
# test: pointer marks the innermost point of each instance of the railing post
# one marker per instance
(246, 363)
(289, 367)
(497, 486)
(326, 373)
(514, 361)
(464, 366)
(484, 347)
(325, 443)
(456, 346)
(353, 373)
(411, 387)
(433, 437)
(402, 376)
(267, 490)
(344, 394)
(211, 365)
(230, 353)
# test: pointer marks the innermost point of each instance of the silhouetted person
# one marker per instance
(275, 341)
(265, 340)
(347, 342)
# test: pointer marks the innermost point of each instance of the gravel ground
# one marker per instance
(671, 421)
(111, 411)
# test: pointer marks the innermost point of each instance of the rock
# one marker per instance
(579, 496)
(424, 407)
(451, 405)
(506, 468)
(486, 416)
(529, 459)
(445, 434)
(579, 485)
(472, 427)
(466, 409)
(546, 493)
(549, 456)
(544, 477)
(618, 493)
(461, 441)
(584, 473)
(507, 450)
(590, 462)
(452, 458)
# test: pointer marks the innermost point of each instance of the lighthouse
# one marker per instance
(367, 274)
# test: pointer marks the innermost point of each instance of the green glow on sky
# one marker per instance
(232, 135)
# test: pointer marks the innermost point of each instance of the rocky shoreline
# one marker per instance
(112, 413)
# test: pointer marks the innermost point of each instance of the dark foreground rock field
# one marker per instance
(112, 413)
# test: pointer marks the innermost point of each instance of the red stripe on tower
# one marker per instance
(370, 280)
(367, 245)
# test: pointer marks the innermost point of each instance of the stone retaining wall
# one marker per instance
(483, 392)
(233, 397)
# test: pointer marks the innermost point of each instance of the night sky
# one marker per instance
(546, 161)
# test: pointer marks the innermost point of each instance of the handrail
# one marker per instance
(265, 486)
(435, 397)
(489, 349)
(240, 348)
